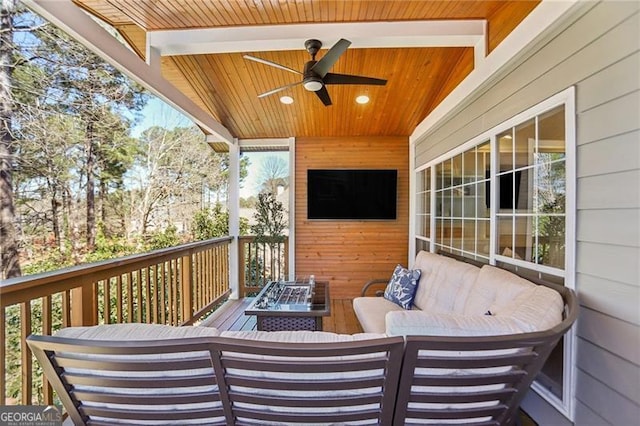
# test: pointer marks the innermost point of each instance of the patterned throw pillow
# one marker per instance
(402, 286)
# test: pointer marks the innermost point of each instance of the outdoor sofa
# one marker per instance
(156, 374)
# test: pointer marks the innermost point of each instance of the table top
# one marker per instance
(291, 299)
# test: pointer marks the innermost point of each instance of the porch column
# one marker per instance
(234, 217)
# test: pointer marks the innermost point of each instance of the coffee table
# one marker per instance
(291, 306)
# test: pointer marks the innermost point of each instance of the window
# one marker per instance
(507, 198)
(423, 209)
(531, 182)
(461, 212)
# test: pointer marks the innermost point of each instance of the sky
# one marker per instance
(158, 113)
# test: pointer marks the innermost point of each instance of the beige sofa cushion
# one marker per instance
(495, 290)
(539, 309)
(135, 331)
(370, 312)
(416, 323)
(300, 336)
(444, 284)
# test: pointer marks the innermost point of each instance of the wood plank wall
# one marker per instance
(349, 253)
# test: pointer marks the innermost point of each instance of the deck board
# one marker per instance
(230, 316)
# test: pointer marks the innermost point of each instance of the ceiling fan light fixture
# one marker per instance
(287, 100)
(312, 85)
(362, 99)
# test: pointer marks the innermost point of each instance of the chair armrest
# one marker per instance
(373, 283)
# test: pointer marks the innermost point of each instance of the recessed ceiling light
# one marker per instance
(286, 100)
(362, 99)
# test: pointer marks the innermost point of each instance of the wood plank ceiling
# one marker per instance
(227, 85)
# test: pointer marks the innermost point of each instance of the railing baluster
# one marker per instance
(47, 322)
(187, 288)
(25, 353)
(139, 304)
(3, 357)
(119, 317)
(129, 297)
(153, 281)
(66, 309)
(161, 285)
(172, 291)
(107, 301)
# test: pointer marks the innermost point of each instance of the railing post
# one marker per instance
(83, 305)
(186, 291)
(234, 219)
(242, 260)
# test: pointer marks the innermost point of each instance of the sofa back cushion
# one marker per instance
(501, 293)
(444, 283)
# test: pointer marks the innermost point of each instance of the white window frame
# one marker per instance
(566, 405)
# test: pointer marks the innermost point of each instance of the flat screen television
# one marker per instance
(355, 194)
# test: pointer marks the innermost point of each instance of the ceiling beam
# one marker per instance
(396, 34)
(75, 22)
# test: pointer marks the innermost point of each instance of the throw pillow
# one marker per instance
(402, 286)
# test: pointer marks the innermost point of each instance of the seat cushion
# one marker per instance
(135, 331)
(300, 336)
(370, 312)
(421, 323)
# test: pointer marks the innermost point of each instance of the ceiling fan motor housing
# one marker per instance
(310, 80)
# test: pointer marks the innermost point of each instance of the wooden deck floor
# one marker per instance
(230, 316)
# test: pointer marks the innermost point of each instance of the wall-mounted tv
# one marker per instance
(354, 194)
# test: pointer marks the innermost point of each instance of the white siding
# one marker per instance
(597, 50)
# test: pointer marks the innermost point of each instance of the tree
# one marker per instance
(170, 172)
(269, 230)
(270, 219)
(9, 255)
(100, 97)
(274, 173)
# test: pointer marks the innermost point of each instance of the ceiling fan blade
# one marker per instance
(323, 66)
(332, 78)
(271, 64)
(279, 89)
(324, 96)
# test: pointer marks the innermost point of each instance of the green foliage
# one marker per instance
(50, 261)
(254, 273)
(163, 239)
(108, 248)
(270, 219)
(213, 223)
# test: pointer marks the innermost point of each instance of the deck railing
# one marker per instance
(260, 263)
(174, 286)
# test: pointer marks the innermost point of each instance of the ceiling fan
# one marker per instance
(316, 74)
